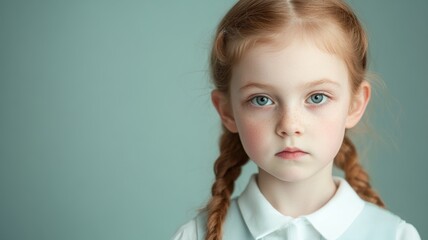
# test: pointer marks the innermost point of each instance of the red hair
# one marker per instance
(333, 26)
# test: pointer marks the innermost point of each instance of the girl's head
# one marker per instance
(331, 25)
(287, 74)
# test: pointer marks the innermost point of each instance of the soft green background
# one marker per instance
(107, 130)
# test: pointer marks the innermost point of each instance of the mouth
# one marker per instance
(291, 154)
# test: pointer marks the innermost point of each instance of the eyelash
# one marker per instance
(327, 98)
(315, 94)
(255, 99)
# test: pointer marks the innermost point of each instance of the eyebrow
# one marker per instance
(321, 82)
(306, 85)
(256, 85)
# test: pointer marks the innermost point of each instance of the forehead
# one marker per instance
(297, 62)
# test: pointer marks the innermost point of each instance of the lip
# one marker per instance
(291, 153)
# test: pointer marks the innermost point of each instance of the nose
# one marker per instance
(289, 123)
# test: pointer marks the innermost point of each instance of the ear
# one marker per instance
(358, 104)
(222, 105)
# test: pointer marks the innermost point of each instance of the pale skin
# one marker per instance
(272, 106)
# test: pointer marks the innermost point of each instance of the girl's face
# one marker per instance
(296, 97)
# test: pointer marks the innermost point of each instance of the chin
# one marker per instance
(289, 176)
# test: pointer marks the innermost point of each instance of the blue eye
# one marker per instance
(261, 101)
(318, 98)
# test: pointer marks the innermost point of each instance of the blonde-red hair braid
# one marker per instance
(227, 169)
(347, 160)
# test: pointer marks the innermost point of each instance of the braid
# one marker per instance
(227, 169)
(347, 160)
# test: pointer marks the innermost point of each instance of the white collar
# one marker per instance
(262, 219)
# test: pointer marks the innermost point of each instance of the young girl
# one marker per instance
(291, 79)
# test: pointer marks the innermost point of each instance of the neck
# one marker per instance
(300, 197)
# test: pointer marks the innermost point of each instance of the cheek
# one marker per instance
(336, 139)
(254, 135)
(331, 135)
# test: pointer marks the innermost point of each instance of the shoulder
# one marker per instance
(403, 230)
(407, 231)
(196, 228)
(232, 212)
(186, 232)
(375, 212)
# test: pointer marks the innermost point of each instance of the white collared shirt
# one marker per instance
(265, 222)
